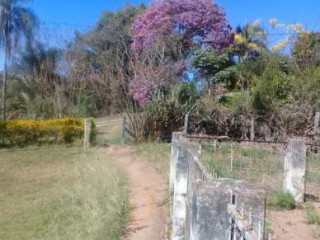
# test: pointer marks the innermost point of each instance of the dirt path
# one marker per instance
(147, 194)
(291, 225)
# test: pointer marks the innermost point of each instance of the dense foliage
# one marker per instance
(158, 63)
(193, 22)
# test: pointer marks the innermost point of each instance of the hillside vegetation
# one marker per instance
(159, 62)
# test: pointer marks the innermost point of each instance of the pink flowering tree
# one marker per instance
(149, 77)
(200, 22)
(176, 26)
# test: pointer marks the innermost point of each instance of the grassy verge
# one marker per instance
(313, 217)
(157, 153)
(61, 193)
(282, 201)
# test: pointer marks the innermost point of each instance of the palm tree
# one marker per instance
(16, 22)
(249, 39)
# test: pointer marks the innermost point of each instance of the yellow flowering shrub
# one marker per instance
(238, 38)
(23, 132)
(252, 45)
(280, 45)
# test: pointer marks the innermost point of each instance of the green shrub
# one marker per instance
(187, 94)
(166, 116)
(282, 201)
(210, 117)
(26, 132)
(93, 133)
(312, 216)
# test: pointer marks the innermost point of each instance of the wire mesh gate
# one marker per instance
(313, 173)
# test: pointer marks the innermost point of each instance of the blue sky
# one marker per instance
(87, 12)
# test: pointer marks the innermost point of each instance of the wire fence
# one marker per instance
(313, 173)
(259, 162)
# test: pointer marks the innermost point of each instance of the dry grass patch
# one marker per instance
(61, 193)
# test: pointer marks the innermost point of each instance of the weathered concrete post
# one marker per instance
(316, 122)
(186, 124)
(174, 158)
(85, 140)
(179, 184)
(295, 168)
(124, 126)
(252, 128)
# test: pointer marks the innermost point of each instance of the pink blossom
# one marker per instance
(200, 21)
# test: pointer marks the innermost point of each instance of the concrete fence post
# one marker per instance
(186, 124)
(252, 128)
(179, 183)
(231, 158)
(124, 127)
(85, 140)
(316, 122)
(295, 168)
(174, 158)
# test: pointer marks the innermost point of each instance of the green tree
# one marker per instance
(101, 59)
(15, 21)
(306, 49)
(34, 76)
(216, 67)
(272, 88)
(249, 40)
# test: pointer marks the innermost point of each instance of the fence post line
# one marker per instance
(242, 209)
(231, 158)
(295, 168)
(215, 143)
(180, 185)
(124, 125)
(186, 124)
(259, 230)
(316, 122)
(264, 218)
(85, 134)
(252, 131)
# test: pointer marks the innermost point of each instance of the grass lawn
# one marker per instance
(61, 193)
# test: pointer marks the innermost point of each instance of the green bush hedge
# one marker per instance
(26, 132)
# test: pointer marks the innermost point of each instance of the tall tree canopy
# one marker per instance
(100, 61)
(306, 49)
(15, 22)
(193, 21)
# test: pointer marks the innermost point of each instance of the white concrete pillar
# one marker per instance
(295, 168)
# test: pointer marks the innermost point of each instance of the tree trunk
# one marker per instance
(5, 80)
